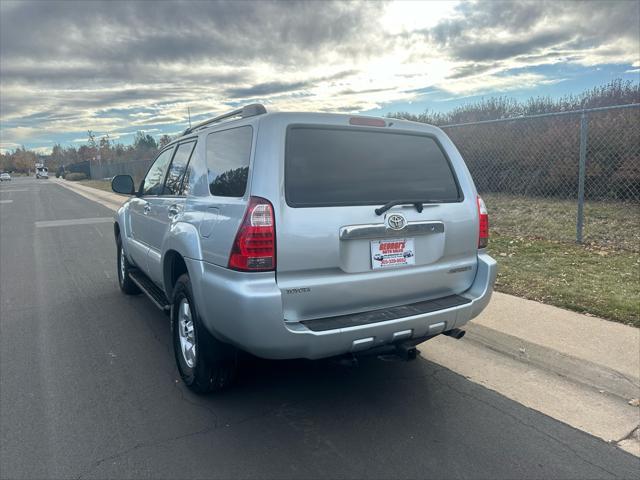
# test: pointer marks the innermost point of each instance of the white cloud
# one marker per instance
(410, 15)
(16, 134)
(42, 150)
(6, 147)
(494, 83)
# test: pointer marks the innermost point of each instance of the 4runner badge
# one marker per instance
(297, 290)
(396, 222)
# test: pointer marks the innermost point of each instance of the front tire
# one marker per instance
(124, 267)
(205, 363)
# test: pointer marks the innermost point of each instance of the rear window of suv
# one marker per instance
(334, 166)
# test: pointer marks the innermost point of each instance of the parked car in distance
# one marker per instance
(5, 177)
(264, 232)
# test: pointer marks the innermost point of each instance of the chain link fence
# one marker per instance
(568, 176)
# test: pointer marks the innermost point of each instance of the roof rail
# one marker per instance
(244, 112)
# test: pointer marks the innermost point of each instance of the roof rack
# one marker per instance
(244, 112)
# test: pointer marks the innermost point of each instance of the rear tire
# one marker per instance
(123, 266)
(205, 363)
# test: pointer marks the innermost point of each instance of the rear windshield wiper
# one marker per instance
(416, 203)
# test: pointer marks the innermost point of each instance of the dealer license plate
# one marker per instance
(398, 252)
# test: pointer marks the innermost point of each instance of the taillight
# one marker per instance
(254, 248)
(483, 233)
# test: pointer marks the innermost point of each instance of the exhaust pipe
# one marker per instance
(455, 333)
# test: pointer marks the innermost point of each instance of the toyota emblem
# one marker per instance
(396, 222)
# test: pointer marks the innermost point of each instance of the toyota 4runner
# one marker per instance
(303, 235)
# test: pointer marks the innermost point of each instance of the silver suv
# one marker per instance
(304, 235)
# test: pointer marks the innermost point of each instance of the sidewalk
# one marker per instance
(601, 342)
(579, 369)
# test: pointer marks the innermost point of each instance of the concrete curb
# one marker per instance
(112, 201)
(578, 370)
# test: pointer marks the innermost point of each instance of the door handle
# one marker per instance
(173, 211)
(147, 209)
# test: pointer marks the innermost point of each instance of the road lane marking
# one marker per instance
(4, 190)
(74, 221)
(6, 201)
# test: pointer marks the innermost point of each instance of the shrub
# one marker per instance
(74, 177)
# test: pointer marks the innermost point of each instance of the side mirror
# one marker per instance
(123, 184)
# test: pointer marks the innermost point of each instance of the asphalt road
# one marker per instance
(88, 387)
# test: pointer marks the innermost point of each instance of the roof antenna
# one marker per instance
(189, 113)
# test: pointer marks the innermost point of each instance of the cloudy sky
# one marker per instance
(119, 67)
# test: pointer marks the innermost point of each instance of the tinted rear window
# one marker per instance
(347, 166)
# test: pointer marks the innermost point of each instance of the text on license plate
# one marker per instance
(392, 253)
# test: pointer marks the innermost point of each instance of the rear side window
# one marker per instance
(346, 166)
(228, 154)
(178, 169)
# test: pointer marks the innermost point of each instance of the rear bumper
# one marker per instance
(245, 309)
